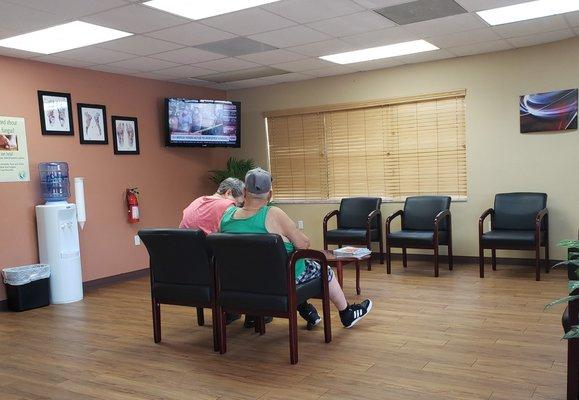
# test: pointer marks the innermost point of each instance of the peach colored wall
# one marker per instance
(168, 178)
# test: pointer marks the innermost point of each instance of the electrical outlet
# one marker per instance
(301, 225)
(137, 240)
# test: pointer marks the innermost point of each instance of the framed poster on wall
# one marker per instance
(55, 113)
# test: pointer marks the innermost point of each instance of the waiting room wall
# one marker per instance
(168, 178)
(499, 158)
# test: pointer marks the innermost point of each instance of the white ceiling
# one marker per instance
(162, 47)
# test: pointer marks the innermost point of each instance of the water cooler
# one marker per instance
(58, 241)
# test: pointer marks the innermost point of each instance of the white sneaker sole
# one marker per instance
(359, 318)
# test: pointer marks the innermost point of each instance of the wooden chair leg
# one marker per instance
(156, 321)
(573, 369)
(358, 291)
(450, 257)
(200, 316)
(481, 261)
(216, 325)
(494, 259)
(256, 322)
(436, 261)
(326, 314)
(547, 261)
(388, 260)
(222, 332)
(293, 336)
(538, 262)
(404, 258)
(369, 262)
(381, 249)
(262, 325)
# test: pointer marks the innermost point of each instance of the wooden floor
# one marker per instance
(455, 337)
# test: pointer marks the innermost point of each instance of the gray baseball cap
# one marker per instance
(258, 181)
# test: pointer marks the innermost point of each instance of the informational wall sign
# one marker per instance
(13, 150)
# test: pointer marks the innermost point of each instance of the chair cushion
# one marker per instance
(183, 295)
(517, 211)
(354, 212)
(350, 236)
(504, 238)
(409, 238)
(420, 211)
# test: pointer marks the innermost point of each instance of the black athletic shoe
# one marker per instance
(229, 318)
(250, 321)
(310, 314)
(355, 312)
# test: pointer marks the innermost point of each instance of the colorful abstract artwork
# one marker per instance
(547, 112)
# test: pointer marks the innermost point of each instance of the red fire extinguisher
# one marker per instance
(133, 205)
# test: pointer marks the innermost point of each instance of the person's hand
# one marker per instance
(4, 142)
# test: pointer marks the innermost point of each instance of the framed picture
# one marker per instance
(548, 112)
(55, 113)
(92, 124)
(125, 135)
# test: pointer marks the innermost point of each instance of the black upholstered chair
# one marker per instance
(571, 318)
(255, 276)
(181, 274)
(519, 221)
(359, 222)
(426, 224)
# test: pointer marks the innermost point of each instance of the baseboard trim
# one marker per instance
(111, 280)
(464, 259)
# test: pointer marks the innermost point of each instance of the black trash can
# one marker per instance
(27, 287)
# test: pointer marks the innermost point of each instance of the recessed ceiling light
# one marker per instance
(375, 53)
(530, 10)
(204, 9)
(62, 37)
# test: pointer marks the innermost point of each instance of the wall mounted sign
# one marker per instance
(13, 150)
(547, 112)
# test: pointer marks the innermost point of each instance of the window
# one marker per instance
(390, 149)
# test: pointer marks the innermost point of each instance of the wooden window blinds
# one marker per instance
(393, 150)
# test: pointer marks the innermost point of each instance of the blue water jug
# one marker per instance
(54, 181)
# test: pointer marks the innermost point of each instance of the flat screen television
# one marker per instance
(203, 123)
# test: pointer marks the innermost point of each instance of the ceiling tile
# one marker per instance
(187, 55)
(572, 18)
(226, 64)
(421, 10)
(273, 57)
(330, 71)
(135, 18)
(4, 51)
(62, 61)
(194, 82)
(541, 38)
(324, 48)
(426, 56)
(248, 83)
(478, 48)
(70, 8)
(248, 22)
(469, 37)
(95, 55)
(144, 64)
(376, 64)
(114, 70)
(312, 10)
(19, 19)
(381, 37)
(373, 4)
(140, 45)
(191, 34)
(479, 5)
(352, 24)
(304, 65)
(531, 27)
(292, 36)
(154, 75)
(291, 77)
(4, 33)
(186, 71)
(442, 26)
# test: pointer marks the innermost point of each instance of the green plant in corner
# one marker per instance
(236, 168)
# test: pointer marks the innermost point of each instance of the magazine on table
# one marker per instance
(349, 251)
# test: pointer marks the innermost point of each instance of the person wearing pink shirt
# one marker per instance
(205, 212)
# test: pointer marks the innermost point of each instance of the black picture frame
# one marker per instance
(120, 146)
(59, 122)
(84, 126)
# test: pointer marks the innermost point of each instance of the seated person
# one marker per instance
(257, 217)
(205, 212)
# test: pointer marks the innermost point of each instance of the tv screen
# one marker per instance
(203, 123)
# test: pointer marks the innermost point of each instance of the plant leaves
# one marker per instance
(573, 333)
(568, 243)
(561, 300)
(235, 168)
(573, 285)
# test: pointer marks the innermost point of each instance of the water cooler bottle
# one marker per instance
(58, 243)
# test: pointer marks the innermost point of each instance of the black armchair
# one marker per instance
(255, 276)
(426, 224)
(359, 222)
(181, 274)
(519, 221)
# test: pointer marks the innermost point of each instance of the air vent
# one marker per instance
(237, 46)
(421, 10)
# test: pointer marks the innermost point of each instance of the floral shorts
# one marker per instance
(313, 271)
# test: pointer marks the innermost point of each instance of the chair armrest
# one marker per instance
(327, 217)
(445, 214)
(481, 220)
(312, 255)
(391, 218)
(371, 216)
(543, 214)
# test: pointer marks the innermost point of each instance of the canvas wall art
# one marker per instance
(549, 112)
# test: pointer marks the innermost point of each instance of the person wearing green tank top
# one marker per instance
(257, 217)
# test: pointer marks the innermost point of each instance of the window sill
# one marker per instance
(455, 199)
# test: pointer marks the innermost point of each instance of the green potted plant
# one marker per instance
(235, 168)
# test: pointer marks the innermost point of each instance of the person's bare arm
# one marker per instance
(279, 222)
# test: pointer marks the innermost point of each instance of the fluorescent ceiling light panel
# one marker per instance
(376, 53)
(205, 8)
(530, 10)
(62, 37)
